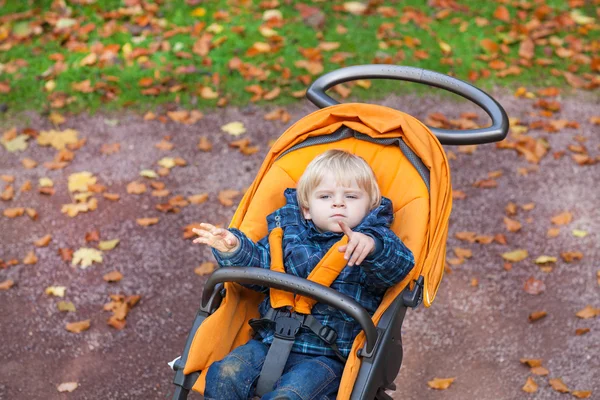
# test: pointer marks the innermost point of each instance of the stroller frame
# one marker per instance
(382, 353)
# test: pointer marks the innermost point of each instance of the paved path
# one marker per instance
(476, 334)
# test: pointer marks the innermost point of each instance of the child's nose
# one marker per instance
(338, 202)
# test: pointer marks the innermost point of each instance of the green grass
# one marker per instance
(27, 83)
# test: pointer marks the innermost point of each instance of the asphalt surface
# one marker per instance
(474, 333)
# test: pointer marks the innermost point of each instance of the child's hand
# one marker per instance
(217, 238)
(359, 245)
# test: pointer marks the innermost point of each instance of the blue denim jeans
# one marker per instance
(305, 377)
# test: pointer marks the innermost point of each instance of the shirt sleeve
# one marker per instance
(248, 254)
(391, 260)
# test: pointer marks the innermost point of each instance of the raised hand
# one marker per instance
(217, 238)
(359, 245)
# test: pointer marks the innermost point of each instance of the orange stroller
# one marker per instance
(411, 169)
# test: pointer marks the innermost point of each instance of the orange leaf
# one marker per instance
(113, 276)
(540, 371)
(558, 385)
(136, 188)
(30, 258)
(198, 198)
(226, 197)
(489, 45)
(43, 242)
(532, 362)
(205, 268)
(77, 327)
(526, 49)
(588, 312)
(562, 219)
(530, 386)
(502, 14)
(512, 225)
(581, 394)
(440, 383)
(534, 316)
(7, 284)
(204, 144)
(147, 221)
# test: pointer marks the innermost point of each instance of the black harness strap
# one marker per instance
(287, 325)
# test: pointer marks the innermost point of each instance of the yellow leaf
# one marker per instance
(440, 383)
(267, 32)
(579, 233)
(108, 244)
(67, 386)
(530, 386)
(77, 327)
(56, 118)
(446, 49)
(79, 181)
(207, 93)
(65, 306)
(516, 255)
(90, 59)
(198, 12)
(234, 128)
(58, 291)
(215, 28)
(45, 182)
(73, 209)
(272, 14)
(167, 162)
(580, 18)
(545, 259)
(19, 143)
(86, 256)
(147, 173)
(57, 139)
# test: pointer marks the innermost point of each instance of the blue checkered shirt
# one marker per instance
(304, 246)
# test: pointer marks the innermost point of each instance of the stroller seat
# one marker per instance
(412, 171)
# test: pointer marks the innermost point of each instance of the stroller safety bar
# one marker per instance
(291, 283)
(494, 133)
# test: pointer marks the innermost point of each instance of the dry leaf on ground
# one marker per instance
(440, 383)
(77, 327)
(67, 386)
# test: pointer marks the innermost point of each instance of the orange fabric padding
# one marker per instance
(421, 217)
(279, 298)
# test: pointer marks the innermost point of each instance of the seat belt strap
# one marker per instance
(286, 329)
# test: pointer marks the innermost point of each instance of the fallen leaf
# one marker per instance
(534, 286)
(77, 327)
(588, 312)
(545, 259)
(512, 225)
(569, 256)
(562, 219)
(205, 268)
(515, 255)
(579, 233)
(355, 7)
(226, 197)
(113, 276)
(7, 284)
(530, 386)
(67, 386)
(65, 306)
(65, 254)
(86, 256)
(541, 371)
(57, 139)
(147, 221)
(558, 385)
(13, 212)
(582, 394)
(198, 198)
(204, 144)
(108, 244)
(79, 181)
(19, 143)
(440, 383)
(534, 316)
(553, 232)
(532, 362)
(148, 173)
(136, 188)
(30, 258)
(234, 128)
(44, 241)
(58, 291)
(581, 331)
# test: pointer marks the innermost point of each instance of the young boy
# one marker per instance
(336, 195)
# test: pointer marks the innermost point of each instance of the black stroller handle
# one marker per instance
(291, 283)
(494, 133)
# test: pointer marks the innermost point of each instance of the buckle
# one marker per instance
(328, 335)
(287, 327)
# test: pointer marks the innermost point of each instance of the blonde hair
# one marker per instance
(345, 167)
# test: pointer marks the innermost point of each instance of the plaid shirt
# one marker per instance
(304, 246)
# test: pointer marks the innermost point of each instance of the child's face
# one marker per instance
(331, 202)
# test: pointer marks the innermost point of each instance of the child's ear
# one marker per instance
(305, 213)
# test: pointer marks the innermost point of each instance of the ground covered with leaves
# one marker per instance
(99, 280)
(88, 54)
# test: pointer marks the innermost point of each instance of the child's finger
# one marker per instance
(349, 249)
(342, 249)
(206, 226)
(345, 228)
(363, 255)
(356, 254)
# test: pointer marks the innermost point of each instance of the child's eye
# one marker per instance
(324, 196)
(351, 196)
